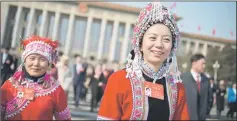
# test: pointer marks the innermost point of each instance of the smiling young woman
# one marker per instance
(32, 93)
(149, 88)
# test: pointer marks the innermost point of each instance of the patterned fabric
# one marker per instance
(138, 100)
(21, 109)
(48, 95)
(42, 46)
(43, 86)
(65, 114)
(152, 14)
(18, 104)
(151, 73)
(172, 95)
(15, 106)
(123, 104)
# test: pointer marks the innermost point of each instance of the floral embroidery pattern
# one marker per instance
(152, 14)
(48, 86)
(137, 110)
(172, 96)
(15, 106)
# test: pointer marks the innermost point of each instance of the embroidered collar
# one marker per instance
(146, 69)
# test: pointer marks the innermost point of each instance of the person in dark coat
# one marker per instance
(96, 84)
(83, 88)
(15, 56)
(213, 87)
(79, 77)
(220, 98)
(197, 88)
(7, 61)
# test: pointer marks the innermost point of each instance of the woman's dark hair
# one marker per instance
(133, 54)
(211, 78)
(196, 57)
(77, 55)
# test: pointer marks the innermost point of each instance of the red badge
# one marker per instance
(27, 93)
(154, 90)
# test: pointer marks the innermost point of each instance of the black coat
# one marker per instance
(220, 99)
(96, 90)
(197, 111)
(6, 71)
(79, 79)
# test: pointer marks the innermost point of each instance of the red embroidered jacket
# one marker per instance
(47, 103)
(124, 100)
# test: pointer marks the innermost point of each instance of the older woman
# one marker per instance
(155, 40)
(32, 93)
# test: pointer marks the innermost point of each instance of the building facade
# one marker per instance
(103, 30)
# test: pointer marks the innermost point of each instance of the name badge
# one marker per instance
(27, 93)
(154, 90)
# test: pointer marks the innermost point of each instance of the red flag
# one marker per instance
(213, 32)
(199, 28)
(231, 33)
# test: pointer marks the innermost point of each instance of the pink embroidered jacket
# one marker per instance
(48, 102)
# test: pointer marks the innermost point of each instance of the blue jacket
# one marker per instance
(231, 95)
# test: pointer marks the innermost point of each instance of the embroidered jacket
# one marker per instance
(124, 99)
(49, 100)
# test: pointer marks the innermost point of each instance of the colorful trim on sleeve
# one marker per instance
(65, 114)
(15, 106)
(104, 118)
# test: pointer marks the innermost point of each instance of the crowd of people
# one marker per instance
(78, 73)
(9, 60)
(148, 87)
(220, 91)
(83, 75)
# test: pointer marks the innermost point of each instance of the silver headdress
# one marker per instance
(152, 14)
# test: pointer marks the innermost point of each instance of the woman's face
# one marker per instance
(98, 69)
(156, 44)
(36, 65)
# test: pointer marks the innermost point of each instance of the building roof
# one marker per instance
(208, 38)
(120, 7)
(136, 10)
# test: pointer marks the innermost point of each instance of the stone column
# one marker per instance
(56, 24)
(69, 33)
(16, 33)
(29, 28)
(222, 47)
(204, 52)
(113, 41)
(44, 24)
(188, 44)
(87, 36)
(101, 39)
(125, 43)
(4, 14)
(196, 49)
